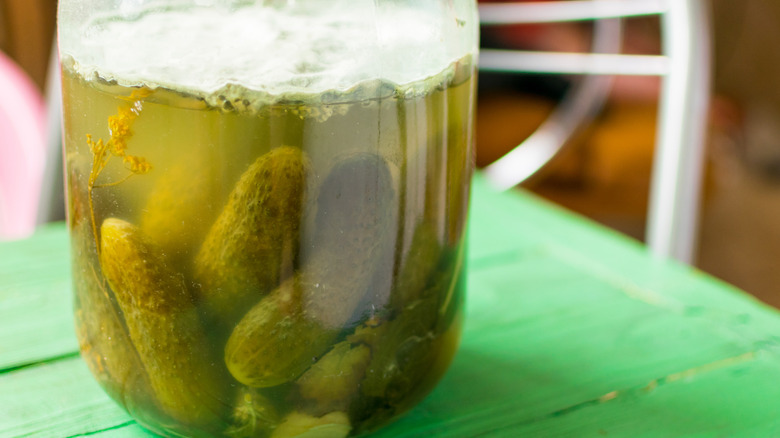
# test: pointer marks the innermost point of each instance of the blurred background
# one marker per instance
(604, 173)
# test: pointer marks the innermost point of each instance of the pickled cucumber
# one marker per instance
(355, 210)
(163, 325)
(418, 266)
(274, 343)
(254, 415)
(104, 343)
(103, 340)
(178, 211)
(105, 347)
(253, 242)
(400, 348)
(331, 383)
(298, 425)
(296, 323)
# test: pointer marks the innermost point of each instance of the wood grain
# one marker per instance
(36, 322)
(57, 399)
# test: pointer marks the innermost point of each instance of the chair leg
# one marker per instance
(672, 224)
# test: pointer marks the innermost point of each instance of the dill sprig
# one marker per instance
(119, 127)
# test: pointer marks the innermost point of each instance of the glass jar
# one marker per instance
(267, 203)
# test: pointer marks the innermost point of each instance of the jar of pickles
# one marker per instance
(267, 204)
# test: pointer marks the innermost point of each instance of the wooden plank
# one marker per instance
(521, 224)
(128, 430)
(36, 299)
(725, 399)
(56, 400)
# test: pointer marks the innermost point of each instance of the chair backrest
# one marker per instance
(22, 150)
(684, 66)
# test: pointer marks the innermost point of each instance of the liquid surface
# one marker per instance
(271, 51)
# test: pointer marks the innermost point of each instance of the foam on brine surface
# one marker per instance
(297, 48)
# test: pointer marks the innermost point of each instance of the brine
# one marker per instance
(248, 266)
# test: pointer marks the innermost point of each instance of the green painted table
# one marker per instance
(571, 330)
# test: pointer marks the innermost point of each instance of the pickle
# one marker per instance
(274, 343)
(400, 348)
(286, 331)
(409, 353)
(164, 326)
(104, 344)
(103, 340)
(332, 382)
(397, 380)
(106, 348)
(460, 162)
(451, 283)
(446, 197)
(418, 266)
(178, 211)
(355, 208)
(252, 244)
(253, 416)
(402, 351)
(298, 425)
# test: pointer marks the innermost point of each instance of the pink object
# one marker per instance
(22, 150)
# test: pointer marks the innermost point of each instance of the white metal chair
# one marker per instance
(684, 65)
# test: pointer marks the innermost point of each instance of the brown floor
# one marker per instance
(605, 176)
